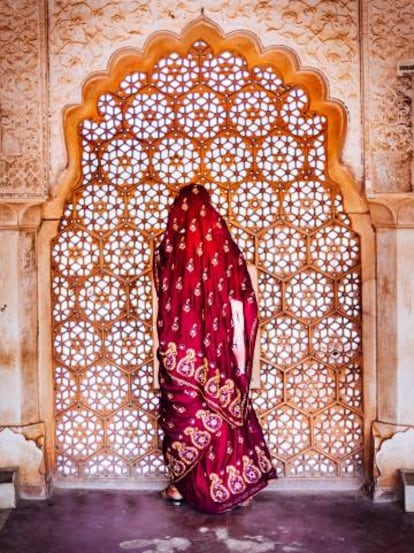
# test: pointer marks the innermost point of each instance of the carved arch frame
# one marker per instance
(125, 61)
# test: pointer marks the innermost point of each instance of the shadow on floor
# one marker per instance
(139, 521)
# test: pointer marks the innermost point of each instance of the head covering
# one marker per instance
(198, 270)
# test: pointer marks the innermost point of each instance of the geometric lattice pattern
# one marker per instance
(253, 141)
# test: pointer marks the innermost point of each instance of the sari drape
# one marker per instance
(213, 445)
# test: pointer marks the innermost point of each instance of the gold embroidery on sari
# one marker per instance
(201, 372)
(186, 453)
(199, 438)
(213, 385)
(251, 473)
(235, 482)
(175, 467)
(218, 492)
(235, 407)
(226, 392)
(185, 366)
(211, 421)
(264, 462)
(170, 355)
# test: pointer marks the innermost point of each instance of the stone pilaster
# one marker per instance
(21, 432)
(393, 430)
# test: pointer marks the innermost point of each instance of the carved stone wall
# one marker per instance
(22, 99)
(344, 40)
(84, 35)
(389, 139)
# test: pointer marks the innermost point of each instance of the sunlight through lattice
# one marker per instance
(254, 142)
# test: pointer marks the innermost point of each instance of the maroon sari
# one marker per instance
(213, 446)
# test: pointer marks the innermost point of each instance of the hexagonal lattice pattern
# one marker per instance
(255, 205)
(284, 341)
(233, 125)
(176, 160)
(125, 427)
(201, 114)
(77, 343)
(126, 252)
(124, 161)
(140, 298)
(311, 463)
(143, 389)
(63, 298)
(352, 466)
(111, 110)
(282, 251)
(271, 388)
(310, 386)
(309, 295)
(65, 388)
(150, 115)
(106, 465)
(102, 298)
(336, 340)
(128, 343)
(174, 75)
(292, 113)
(270, 295)
(100, 207)
(334, 249)
(280, 158)
(350, 386)
(338, 431)
(148, 206)
(76, 253)
(79, 433)
(288, 431)
(245, 241)
(225, 73)
(103, 387)
(228, 159)
(307, 204)
(349, 295)
(254, 112)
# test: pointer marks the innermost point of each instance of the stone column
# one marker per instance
(21, 431)
(393, 430)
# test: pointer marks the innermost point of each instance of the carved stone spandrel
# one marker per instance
(84, 37)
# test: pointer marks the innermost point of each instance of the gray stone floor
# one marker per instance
(140, 521)
(4, 513)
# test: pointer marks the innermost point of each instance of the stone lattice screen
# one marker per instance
(252, 140)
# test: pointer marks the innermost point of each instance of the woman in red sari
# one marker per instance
(207, 321)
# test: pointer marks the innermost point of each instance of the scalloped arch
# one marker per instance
(161, 43)
(342, 271)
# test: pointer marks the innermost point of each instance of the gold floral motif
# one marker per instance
(185, 366)
(175, 467)
(218, 492)
(225, 392)
(201, 372)
(235, 406)
(199, 438)
(264, 462)
(235, 482)
(251, 473)
(170, 355)
(213, 385)
(212, 421)
(186, 453)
